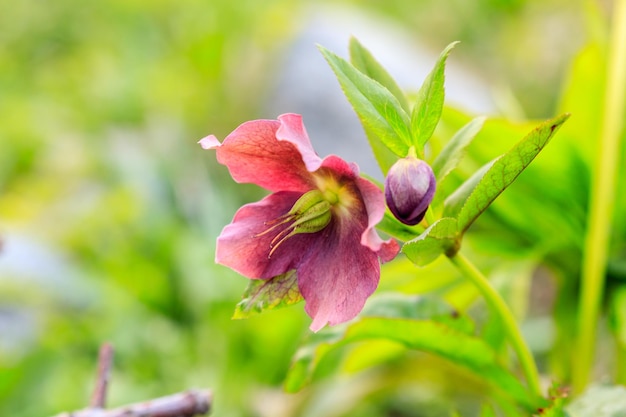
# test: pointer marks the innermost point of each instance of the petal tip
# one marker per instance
(317, 325)
(389, 250)
(209, 142)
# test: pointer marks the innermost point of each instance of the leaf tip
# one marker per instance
(560, 119)
(321, 48)
(449, 48)
(238, 314)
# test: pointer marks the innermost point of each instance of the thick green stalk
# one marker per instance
(430, 216)
(499, 307)
(601, 201)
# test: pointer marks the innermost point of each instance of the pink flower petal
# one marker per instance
(292, 130)
(340, 168)
(337, 275)
(242, 246)
(374, 201)
(253, 154)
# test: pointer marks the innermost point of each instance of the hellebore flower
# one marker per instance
(409, 189)
(319, 220)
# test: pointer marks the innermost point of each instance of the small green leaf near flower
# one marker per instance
(452, 152)
(430, 97)
(378, 109)
(457, 199)
(438, 239)
(365, 62)
(392, 226)
(260, 295)
(477, 193)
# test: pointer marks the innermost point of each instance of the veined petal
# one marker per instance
(292, 130)
(337, 276)
(374, 201)
(253, 154)
(340, 168)
(244, 247)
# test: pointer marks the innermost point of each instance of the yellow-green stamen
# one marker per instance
(309, 214)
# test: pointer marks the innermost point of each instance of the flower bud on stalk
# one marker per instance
(409, 189)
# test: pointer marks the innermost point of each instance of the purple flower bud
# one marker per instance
(409, 189)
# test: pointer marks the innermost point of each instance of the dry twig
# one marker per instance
(185, 404)
(105, 360)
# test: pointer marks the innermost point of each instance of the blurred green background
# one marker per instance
(109, 210)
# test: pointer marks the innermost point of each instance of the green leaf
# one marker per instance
(377, 108)
(440, 237)
(398, 305)
(308, 357)
(280, 291)
(599, 401)
(365, 62)
(384, 156)
(390, 225)
(386, 305)
(505, 170)
(427, 110)
(455, 201)
(451, 154)
(429, 336)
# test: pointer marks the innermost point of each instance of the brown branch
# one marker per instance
(105, 359)
(186, 404)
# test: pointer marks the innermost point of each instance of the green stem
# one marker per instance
(601, 201)
(430, 216)
(620, 356)
(500, 308)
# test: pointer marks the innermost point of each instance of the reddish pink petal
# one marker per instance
(374, 201)
(242, 247)
(292, 130)
(375, 205)
(340, 168)
(338, 275)
(253, 154)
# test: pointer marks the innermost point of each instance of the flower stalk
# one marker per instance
(601, 201)
(499, 307)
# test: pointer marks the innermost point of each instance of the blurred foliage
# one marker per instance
(109, 210)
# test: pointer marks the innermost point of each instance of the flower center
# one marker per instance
(309, 214)
(330, 196)
(340, 196)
